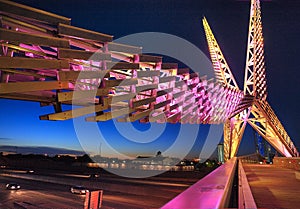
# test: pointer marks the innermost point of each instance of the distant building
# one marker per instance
(260, 144)
(221, 153)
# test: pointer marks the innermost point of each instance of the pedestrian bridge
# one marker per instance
(47, 60)
(245, 183)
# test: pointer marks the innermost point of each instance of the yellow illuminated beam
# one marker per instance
(221, 68)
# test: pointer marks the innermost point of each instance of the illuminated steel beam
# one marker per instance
(80, 94)
(65, 115)
(18, 87)
(33, 13)
(21, 37)
(68, 30)
(33, 63)
(74, 75)
(26, 73)
(30, 49)
(38, 96)
(110, 115)
(24, 25)
(221, 68)
(148, 58)
(136, 116)
(83, 55)
(122, 48)
(122, 65)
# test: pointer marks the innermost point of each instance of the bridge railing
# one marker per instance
(287, 162)
(246, 199)
(212, 191)
(253, 158)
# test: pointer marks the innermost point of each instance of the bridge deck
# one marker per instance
(273, 187)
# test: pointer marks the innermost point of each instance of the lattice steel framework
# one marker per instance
(255, 73)
(253, 108)
(221, 68)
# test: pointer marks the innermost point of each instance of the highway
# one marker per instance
(53, 190)
(38, 194)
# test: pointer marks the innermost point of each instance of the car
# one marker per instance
(79, 190)
(30, 171)
(13, 186)
(94, 176)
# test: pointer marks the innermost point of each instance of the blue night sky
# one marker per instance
(20, 124)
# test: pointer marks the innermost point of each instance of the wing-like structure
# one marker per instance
(44, 58)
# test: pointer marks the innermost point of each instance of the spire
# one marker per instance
(255, 73)
(221, 68)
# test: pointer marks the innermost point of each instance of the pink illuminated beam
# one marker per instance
(209, 192)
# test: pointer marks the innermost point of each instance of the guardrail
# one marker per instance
(252, 158)
(246, 199)
(212, 191)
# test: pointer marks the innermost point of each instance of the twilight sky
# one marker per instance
(19, 120)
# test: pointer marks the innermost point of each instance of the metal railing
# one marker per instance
(246, 199)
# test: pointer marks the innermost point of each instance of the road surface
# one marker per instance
(53, 191)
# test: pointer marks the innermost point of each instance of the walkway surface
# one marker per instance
(274, 187)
